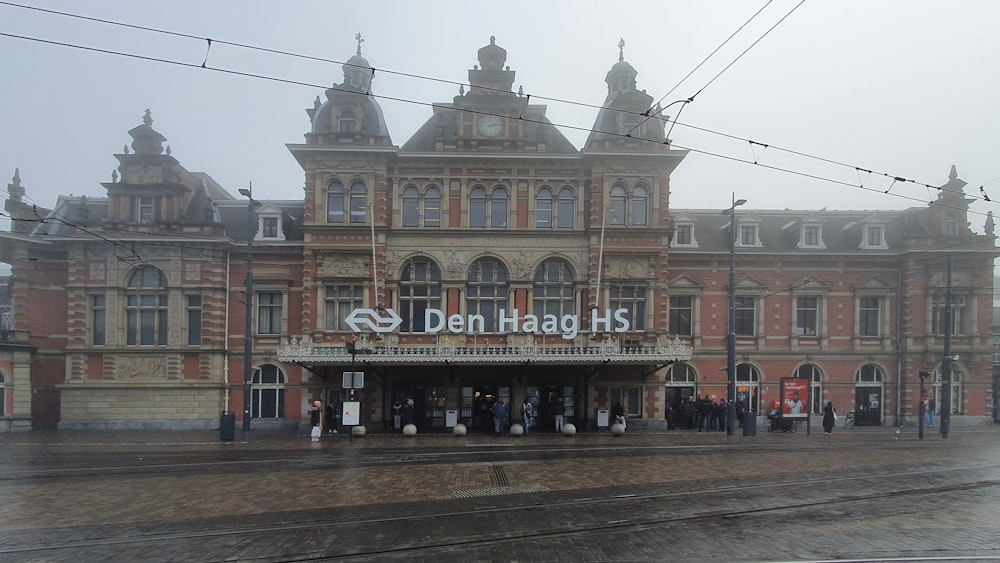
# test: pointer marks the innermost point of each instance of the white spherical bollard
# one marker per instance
(569, 429)
(460, 429)
(358, 431)
(617, 429)
(410, 430)
(516, 429)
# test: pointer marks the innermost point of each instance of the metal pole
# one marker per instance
(945, 401)
(248, 327)
(731, 335)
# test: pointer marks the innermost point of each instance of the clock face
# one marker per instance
(490, 125)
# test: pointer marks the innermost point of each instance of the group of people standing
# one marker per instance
(705, 414)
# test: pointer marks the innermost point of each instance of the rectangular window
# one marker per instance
(632, 298)
(340, 301)
(543, 214)
(477, 212)
(628, 398)
(269, 313)
(680, 316)
(146, 320)
(565, 215)
(950, 228)
(810, 236)
(683, 235)
(748, 235)
(194, 320)
(745, 314)
(270, 225)
(146, 210)
(938, 316)
(99, 318)
(807, 315)
(432, 211)
(874, 235)
(869, 313)
(335, 207)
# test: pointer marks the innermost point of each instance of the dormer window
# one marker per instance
(269, 227)
(684, 235)
(347, 122)
(269, 223)
(811, 236)
(146, 209)
(950, 228)
(748, 236)
(874, 237)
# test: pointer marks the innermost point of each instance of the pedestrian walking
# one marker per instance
(397, 415)
(527, 411)
(316, 420)
(829, 417)
(558, 413)
(329, 423)
(499, 414)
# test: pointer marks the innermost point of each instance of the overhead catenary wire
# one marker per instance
(894, 177)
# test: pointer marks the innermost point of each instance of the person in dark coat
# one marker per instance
(828, 418)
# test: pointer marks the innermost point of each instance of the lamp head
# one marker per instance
(245, 192)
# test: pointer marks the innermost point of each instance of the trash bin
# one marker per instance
(602, 418)
(227, 426)
(750, 424)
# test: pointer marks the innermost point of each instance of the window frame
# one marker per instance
(270, 312)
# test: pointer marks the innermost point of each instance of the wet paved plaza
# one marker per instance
(669, 496)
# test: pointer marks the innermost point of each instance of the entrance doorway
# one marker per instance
(868, 406)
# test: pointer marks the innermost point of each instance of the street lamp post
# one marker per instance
(731, 335)
(248, 326)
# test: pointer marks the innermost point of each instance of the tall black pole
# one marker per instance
(731, 334)
(945, 401)
(248, 326)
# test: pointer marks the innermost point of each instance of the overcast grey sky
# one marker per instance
(901, 87)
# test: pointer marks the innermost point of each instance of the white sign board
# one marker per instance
(351, 415)
(354, 380)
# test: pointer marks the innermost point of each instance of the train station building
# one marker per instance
(486, 257)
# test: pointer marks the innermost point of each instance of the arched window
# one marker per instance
(748, 385)
(419, 290)
(617, 211)
(335, 202)
(567, 205)
(486, 291)
(359, 202)
(812, 373)
(543, 209)
(477, 207)
(640, 205)
(347, 122)
(267, 392)
(680, 373)
(432, 207)
(146, 308)
(553, 289)
(498, 208)
(411, 207)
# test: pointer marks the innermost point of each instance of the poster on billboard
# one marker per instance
(794, 398)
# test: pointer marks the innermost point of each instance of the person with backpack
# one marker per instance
(499, 414)
(528, 412)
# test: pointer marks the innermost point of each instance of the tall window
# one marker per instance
(873, 236)
(432, 207)
(553, 289)
(956, 389)
(147, 209)
(340, 301)
(486, 291)
(419, 290)
(748, 385)
(628, 398)
(335, 202)
(567, 206)
(812, 373)
(359, 201)
(939, 317)
(616, 215)
(632, 298)
(640, 205)
(748, 235)
(869, 316)
(411, 207)
(146, 308)
(267, 392)
(810, 235)
(270, 229)
(682, 236)
(498, 208)
(98, 316)
(269, 305)
(347, 122)
(745, 314)
(807, 315)
(681, 313)
(194, 319)
(477, 207)
(543, 209)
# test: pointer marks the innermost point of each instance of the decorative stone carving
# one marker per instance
(627, 268)
(142, 367)
(342, 266)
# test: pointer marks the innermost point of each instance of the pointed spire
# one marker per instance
(954, 173)
(14, 188)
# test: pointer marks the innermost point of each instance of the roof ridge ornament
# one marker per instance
(621, 49)
(360, 40)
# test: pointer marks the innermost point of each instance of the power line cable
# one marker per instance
(895, 178)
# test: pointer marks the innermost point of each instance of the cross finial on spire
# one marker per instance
(621, 49)
(148, 118)
(360, 40)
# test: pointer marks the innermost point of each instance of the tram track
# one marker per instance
(642, 511)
